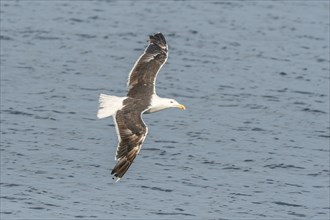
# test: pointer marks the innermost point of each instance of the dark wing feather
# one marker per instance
(141, 81)
(132, 132)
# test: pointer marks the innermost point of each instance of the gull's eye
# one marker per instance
(171, 101)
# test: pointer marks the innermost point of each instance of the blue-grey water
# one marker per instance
(252, 144)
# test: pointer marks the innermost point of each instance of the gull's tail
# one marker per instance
(109, 105)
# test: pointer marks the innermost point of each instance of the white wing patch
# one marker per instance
(117, 132)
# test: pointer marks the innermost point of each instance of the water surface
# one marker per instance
(252, 144)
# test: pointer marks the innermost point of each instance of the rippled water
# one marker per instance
(252, 144)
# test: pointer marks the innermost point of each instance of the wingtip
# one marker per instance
(123, 164)
(157, 34)
(116, 179)
(159, 39)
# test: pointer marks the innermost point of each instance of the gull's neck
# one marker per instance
(157, 103)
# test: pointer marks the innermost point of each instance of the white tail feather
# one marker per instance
(109, 105)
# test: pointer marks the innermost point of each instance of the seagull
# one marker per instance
(141, 98)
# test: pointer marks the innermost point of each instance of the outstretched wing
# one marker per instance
(131, 132)
(141, 80)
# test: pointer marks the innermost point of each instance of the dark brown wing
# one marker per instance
(131, 132)
(141, 81)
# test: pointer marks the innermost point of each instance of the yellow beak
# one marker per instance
(182, 107)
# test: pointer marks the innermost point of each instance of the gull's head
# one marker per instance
(174, 104)
(158, 104)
